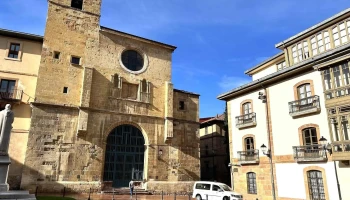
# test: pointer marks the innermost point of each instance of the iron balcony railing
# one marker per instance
(246, 119)
(6, 94)
(304, 104)
(310, 153)
(248, 156)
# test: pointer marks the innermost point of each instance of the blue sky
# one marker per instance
(217, 40)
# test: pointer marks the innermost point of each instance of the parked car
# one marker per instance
(206, 190)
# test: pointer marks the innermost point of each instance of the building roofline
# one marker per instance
(138, 37)
(264, 62)
(22, 35)
(186, 92)
(289, 70)
(334, 17)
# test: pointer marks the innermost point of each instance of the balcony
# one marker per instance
(11, 95)
(310, 153)
(248, 157)
(304, 106)
(246, 120)
(341, 150)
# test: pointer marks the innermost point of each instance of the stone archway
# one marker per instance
(124, 156)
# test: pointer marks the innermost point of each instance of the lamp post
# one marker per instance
(267, 152)
(328, 147)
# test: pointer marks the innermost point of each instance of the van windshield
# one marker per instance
(226, 188)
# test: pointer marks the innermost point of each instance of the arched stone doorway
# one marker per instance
(124, 156)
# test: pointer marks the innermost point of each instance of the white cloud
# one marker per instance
(230, 82)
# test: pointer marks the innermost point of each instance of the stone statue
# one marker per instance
(6, 120)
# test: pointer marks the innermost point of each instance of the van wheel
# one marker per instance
(198, 197)
(226, 198)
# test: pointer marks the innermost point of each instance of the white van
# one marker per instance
(205, 190)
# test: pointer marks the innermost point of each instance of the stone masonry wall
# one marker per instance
(67, 138)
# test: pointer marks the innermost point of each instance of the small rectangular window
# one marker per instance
(75, 60)
(65, 90)
(14, 50)
(77, 4)
(56, 55)
(182, 105)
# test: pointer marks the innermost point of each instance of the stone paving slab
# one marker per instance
(120, 197)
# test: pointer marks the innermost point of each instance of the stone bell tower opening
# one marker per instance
(124, 156)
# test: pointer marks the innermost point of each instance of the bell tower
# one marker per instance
(70, 47)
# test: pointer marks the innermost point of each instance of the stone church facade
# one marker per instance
(106, 111)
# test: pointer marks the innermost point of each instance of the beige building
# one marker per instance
(214, 149)
(19, 64)
(281, 122)
(105, 110)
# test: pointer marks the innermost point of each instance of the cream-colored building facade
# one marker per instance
(19, 64)
(297, 107)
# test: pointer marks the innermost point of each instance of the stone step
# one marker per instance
(126, 191)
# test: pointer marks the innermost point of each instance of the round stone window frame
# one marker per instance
(144, 56)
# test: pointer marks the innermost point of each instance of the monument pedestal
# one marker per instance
(4, 187)
(4, 169)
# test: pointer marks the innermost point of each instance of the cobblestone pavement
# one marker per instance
(119, 197)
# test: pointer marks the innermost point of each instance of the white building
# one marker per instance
(292, 106)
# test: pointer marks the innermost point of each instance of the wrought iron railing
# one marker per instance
(14, 94)
(246, 119)
(248, 156)
(304, 104)
(310, 152)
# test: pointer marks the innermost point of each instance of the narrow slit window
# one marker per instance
(77, 4)
(75, 60)
(65, 90)
(56, 55)
(182, 105)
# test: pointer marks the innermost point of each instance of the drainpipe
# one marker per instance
(269, 142)
(336, 176)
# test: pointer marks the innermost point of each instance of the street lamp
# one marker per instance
(266, 152)
(328, 147)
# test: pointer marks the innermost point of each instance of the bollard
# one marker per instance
(174, 195)
(89, 194)
(36, 191)
(207, 197)
(64, 191)
(162, 195)
(113, 194)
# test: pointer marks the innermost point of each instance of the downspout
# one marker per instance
(269, 142)
(284, 46)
